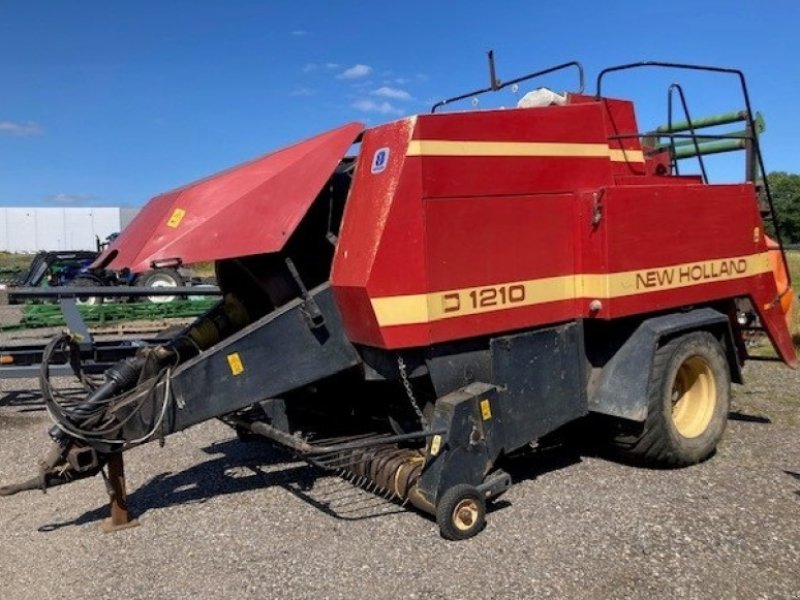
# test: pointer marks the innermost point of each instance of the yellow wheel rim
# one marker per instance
(694, 396)
(465, 514)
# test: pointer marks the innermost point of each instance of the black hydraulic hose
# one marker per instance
(71, 422)
(120, 377)
(93, 422)
(88, 408)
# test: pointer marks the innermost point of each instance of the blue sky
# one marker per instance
(111, 103)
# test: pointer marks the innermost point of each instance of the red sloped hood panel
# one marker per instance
(252, 208)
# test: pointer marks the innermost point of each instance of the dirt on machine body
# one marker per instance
(463, 287)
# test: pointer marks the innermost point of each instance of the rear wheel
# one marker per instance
(160, 278)
(688, 403)
(87, 281)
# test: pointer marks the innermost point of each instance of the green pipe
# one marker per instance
(700, 139)
(761, 127)
(710, 148)
(704, 140)
(742, 135)
(723, 119)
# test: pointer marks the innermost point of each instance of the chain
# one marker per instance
(401, 365)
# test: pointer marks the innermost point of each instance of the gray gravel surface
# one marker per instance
(220, 518)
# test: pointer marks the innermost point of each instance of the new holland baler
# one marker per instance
(465, 286)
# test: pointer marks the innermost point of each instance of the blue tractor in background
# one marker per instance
(73, 268)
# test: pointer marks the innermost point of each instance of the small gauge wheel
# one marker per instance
(461, 512)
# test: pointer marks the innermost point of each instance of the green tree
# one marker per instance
(785, 189)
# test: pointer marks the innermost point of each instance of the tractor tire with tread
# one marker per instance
(87, 281)
(159, 278)
(688, 403)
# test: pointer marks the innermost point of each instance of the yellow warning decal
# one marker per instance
(235, 363)
(176, 217)
(436, 445)
(486, 409)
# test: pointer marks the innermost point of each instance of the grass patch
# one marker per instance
(793, 258)
(204, 269)
(764, 347)
(9, 260)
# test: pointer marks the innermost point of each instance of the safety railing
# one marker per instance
(496, 85)
(750, 139)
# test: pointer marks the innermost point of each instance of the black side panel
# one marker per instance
(542, 376)
(278, 353)
(621, 389)
(457, 365)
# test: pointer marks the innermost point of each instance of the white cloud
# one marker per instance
(401, 80)
(355, 72)
(332, 65)
(390, 92)
(302, 92)
(68, 199)
(22, 129)
(309, 67)
(299, 32)
(382, 108)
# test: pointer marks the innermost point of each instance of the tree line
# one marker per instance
(785, 190)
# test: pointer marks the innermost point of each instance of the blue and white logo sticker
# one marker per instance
(379, 160)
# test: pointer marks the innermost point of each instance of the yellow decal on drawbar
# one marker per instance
(486, 410)
(176, 218)
(235, 363)
(436, 444)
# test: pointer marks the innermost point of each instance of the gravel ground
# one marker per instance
(220, 518)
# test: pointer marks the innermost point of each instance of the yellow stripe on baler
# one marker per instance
(435, 306)
(529, 149)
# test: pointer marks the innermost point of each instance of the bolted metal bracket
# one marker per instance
(311, 311)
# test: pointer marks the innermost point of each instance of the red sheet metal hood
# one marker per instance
(252, 208)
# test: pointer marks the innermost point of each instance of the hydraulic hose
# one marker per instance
(85, 433)
(120, 377)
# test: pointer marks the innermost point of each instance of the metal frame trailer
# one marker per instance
(22, 361)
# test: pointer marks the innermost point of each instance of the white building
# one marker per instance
(73, 228)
